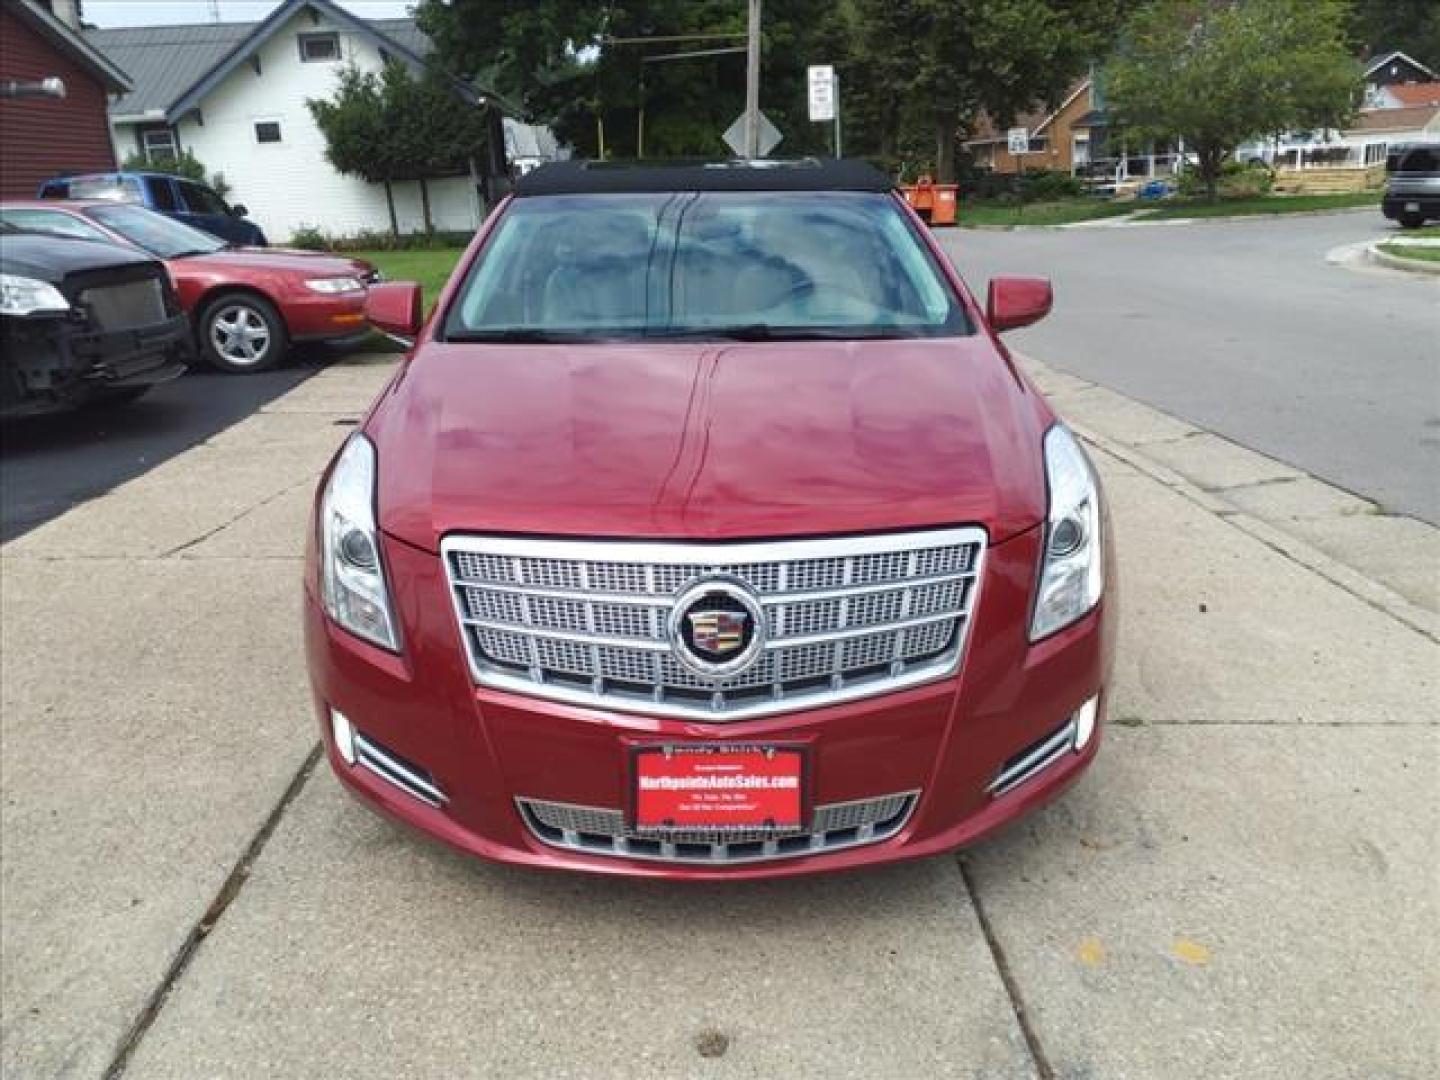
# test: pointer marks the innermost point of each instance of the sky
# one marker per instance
(159, 12)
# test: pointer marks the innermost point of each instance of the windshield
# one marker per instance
(747, 265)
(157, 234)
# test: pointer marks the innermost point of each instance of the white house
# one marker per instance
(234, 95)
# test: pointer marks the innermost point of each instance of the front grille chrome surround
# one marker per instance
(601, 831)
(584, 622)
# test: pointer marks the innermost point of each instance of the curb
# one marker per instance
(1372, 592)
(1302, 552)
(1399, 262)
(1127, 221)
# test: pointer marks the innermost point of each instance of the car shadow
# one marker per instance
(49, 464)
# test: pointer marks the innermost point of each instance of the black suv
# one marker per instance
(1412, 189)
(82, 323)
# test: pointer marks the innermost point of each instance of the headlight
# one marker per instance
(335, 285)
(351, 572)
(26, 296)
(1072, 566)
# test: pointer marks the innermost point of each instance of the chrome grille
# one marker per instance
(586, 622)
(601, 831)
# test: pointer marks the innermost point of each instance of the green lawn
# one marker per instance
(1066, 211)
(430, 268)
(1061, 212)
(1268, 204)
(1412, 251)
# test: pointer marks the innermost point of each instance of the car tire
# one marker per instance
(1411, 221)
(241, 333)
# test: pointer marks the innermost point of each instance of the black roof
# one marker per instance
(611, 177)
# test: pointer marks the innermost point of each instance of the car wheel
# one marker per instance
(241, 334)
(1411, 221)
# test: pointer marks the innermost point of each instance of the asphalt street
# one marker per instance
(50, 463)
(1242, 328)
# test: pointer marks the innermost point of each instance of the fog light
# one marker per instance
(1085, 722)
(344, 735)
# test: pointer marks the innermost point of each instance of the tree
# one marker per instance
(937, 64)
(558, 60)
(912, 72)
(1219, 73)
(1412, 26)
(394, 126)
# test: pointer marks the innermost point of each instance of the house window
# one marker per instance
(1375, 152)
(159, 144)
(267, 131)
(319, 48)
(1040, 145)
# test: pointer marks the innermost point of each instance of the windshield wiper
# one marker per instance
(766, 332)
(519, 336)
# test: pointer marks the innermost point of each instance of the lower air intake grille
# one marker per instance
(600, 831)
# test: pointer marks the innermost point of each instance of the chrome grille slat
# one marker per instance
(602, 831)
(587, 622)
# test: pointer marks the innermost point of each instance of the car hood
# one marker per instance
(51, 258)
(707, 441)
(271, 261)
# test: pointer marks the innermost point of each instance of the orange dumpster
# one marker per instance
(936, 203)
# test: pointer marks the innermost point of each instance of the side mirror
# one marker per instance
(239, 210)
(1013, 302)
(395, 308)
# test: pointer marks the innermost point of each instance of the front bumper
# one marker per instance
(483, 749)
(311, 316)
(57, 363)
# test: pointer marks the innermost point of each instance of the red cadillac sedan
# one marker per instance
(247, 304)
(708, 531)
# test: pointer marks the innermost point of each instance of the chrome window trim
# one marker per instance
(702, 555)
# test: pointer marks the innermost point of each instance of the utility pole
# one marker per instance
(835, 82)
(752, 84)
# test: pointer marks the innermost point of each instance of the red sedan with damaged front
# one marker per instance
(247, 304)
(708, 531)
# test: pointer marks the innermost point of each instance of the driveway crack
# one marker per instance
(1038, 1056)
(229, 889)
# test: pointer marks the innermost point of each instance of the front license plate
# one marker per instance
(697, 786)
(1412, 208)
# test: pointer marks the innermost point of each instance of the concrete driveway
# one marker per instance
(1241, 327)
(1245, 885)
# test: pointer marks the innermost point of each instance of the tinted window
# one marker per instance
(162, 193)
(1420, 159)
(202, 200)
(118, 188)
(717, 264)
(163, 237)
(55, 189)
(52, 221)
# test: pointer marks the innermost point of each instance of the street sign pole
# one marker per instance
(835, 82)
(752, 84)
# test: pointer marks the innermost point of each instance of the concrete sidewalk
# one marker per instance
(1245, 885)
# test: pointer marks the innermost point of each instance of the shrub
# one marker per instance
(309, 238)
(1249, 180)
